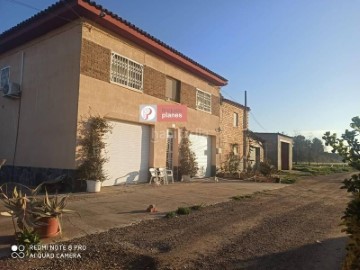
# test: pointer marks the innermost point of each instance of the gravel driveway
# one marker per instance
(296, 227)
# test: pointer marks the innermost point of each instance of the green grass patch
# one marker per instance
(288, 181)
(184, 210)
(241, 197)
(196, 207)
(322, 169)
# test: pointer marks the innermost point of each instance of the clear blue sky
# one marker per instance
(299, 60)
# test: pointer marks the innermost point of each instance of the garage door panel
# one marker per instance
(201, 146)
(128, 152)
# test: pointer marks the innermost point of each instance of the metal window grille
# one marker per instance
(4, 77)
(126, 72)
(203, 101)
(169, 150)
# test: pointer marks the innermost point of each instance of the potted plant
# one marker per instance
(32, 214)
(92, 147)
(48, 215)
(18, 207)
(188, 164)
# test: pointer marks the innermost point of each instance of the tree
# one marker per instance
(348, 147)
(304, 150)
(188, 164)
(92, 145)
(299, 148)
(307, 150)
(317, 149)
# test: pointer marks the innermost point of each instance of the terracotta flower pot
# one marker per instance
(48, 227)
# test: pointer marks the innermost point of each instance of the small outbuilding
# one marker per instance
(278, 149)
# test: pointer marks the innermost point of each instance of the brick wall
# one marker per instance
(154, 82)
(95, 61)
(215, 105)
(229, 134)
(188, 95)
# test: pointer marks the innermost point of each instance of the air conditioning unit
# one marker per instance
(12, 90)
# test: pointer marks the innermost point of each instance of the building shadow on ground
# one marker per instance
(326, 255)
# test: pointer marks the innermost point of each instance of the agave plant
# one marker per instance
(18, 208)
(28, 211)
(51, 207)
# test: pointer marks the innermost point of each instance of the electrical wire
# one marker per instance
(23, 4)
(37, 9)
(251, 113)
(257, 122)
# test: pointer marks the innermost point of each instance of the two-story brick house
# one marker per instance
(233, 126)
(77, 58)
(236, 138)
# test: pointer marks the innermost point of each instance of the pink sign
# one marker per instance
(171, 113)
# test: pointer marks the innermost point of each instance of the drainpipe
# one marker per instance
(245, 132)
(19, 110)
(22, 68)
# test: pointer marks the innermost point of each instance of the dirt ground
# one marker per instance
(296, 227)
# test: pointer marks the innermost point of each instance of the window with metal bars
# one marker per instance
(126, 72)
(4, 78)
(203, 101)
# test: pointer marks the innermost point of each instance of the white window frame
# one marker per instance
(236, 119)
(1, 71)
(128, 79)
(204, 93)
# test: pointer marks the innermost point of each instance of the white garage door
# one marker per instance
(128, 152)
(201, 146)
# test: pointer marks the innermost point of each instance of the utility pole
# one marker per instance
(245, 127)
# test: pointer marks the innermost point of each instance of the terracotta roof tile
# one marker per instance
(70, 15)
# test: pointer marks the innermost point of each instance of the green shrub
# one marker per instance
(288, 181)
(183, 211)
(27, 238)
(232, 163)
(348, 148)
(240, 197)
(196, 207)
(265, 168)
(187, 157)
(351, 220)
(171, 214)
(92, 145)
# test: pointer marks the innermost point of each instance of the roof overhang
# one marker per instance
(236, 104)
(63, 12)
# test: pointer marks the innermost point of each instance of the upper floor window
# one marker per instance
(236, 119)
(4, 78)
(126, 72)
(172, 89)
(203, 101)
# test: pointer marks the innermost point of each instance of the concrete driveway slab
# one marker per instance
(124, 205)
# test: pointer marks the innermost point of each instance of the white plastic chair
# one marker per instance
(169, 173)
(162, 175)
(154, 175)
